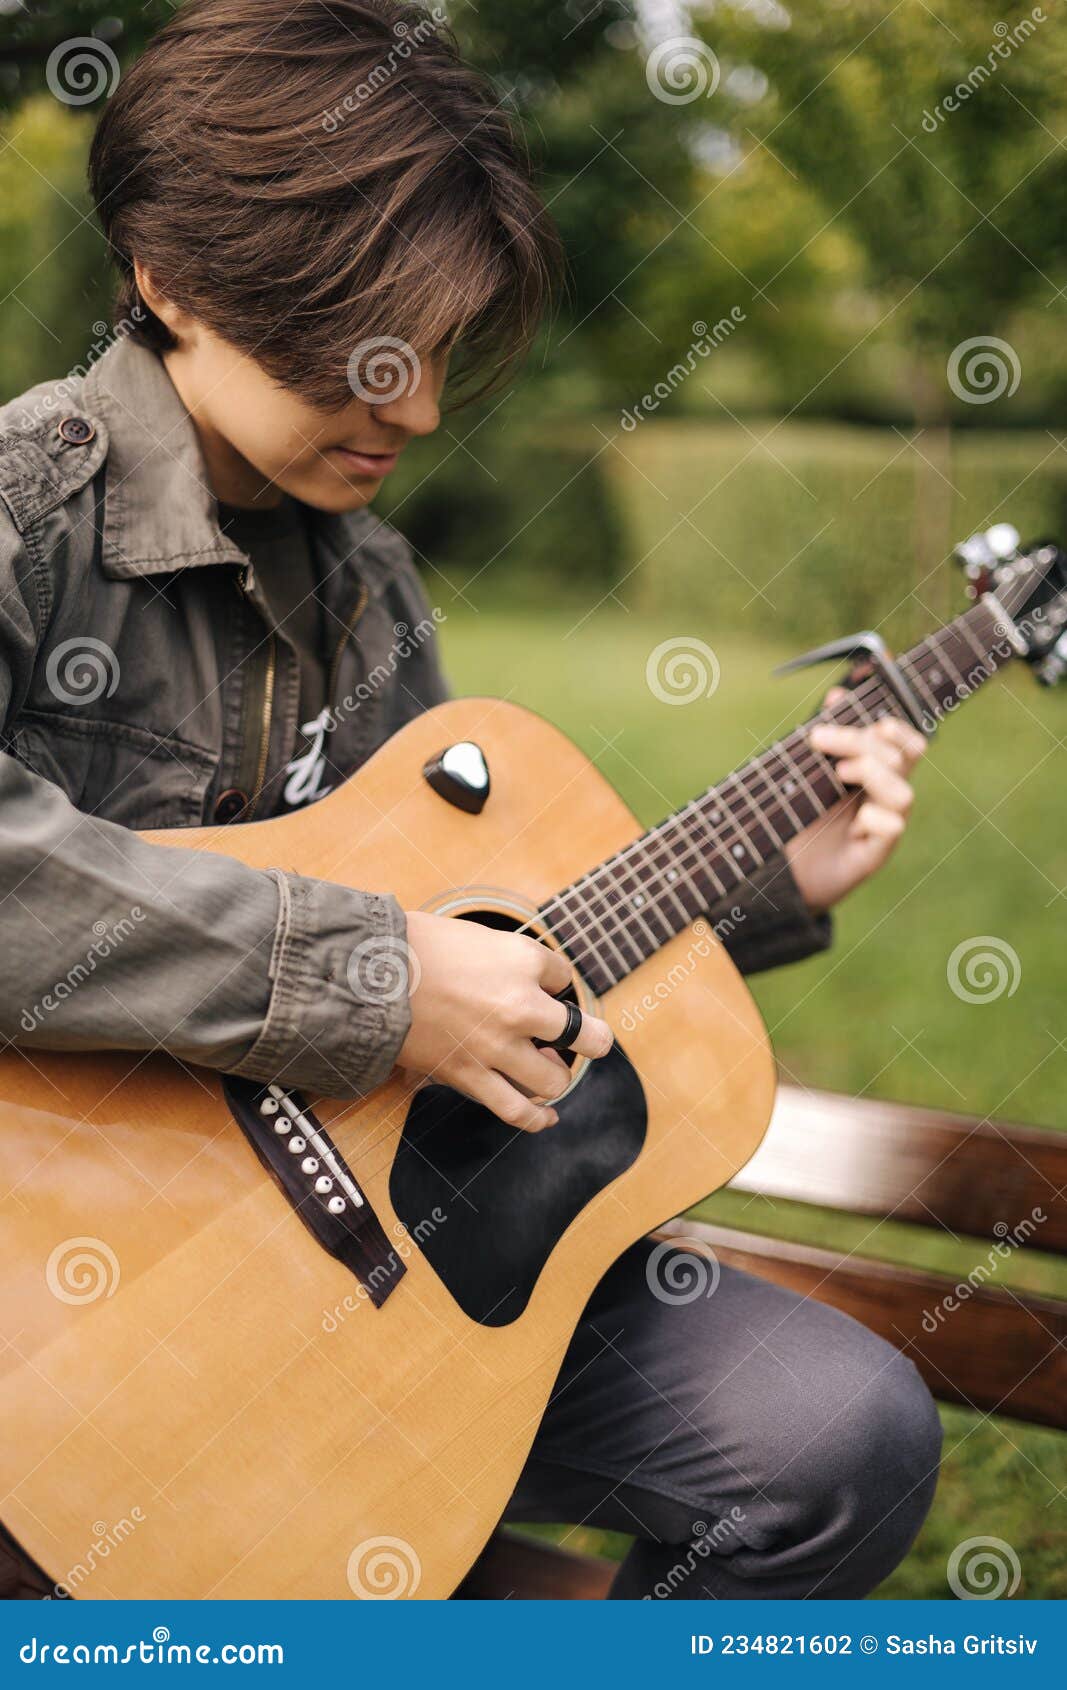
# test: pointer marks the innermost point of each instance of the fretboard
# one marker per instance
(622, 912)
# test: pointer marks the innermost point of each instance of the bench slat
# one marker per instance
(997, 1351)
(921, 1165)
(523, 1568)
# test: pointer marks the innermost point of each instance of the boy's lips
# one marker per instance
(374, 464)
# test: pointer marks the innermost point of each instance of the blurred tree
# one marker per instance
(934, 138)
(801, 165)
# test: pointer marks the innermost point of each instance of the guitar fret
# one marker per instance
(593, 921)
(763, 822)
(635, 904)
(786, 787)
(913, 673)
(714, 847)
(979, 651)
(672, 879)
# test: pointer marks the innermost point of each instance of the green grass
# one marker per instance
(986, 855)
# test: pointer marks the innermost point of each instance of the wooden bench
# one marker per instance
(990, 1348)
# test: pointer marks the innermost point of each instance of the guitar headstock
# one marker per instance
(1030, 583)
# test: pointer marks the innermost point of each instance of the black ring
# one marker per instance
(570, 1032)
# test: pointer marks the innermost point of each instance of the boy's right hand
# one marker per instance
(482, 998)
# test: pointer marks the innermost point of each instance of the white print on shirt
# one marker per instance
(305, 772)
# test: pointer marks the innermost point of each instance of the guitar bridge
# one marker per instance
(296, 1149)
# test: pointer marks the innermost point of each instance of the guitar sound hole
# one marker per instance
(509, 1196)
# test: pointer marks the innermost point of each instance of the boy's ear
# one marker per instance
(177, 321)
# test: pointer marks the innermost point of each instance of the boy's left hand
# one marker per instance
(853, 840)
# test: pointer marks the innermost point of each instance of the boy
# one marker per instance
(192, 579)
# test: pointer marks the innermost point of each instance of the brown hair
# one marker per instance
(310, 176)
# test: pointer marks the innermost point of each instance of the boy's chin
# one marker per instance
(334, 493)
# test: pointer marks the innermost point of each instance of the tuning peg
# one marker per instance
(975, 556)
(1053, 667)
(1002, 540)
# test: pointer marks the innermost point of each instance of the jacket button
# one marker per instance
(76, 431)
(230, 805)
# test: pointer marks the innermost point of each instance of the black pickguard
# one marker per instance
(509, 1196)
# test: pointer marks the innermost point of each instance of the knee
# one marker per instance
(863, 1473)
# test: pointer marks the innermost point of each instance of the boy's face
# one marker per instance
(260, 441)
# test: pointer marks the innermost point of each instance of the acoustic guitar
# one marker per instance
(259, 1348)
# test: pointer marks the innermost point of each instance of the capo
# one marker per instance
(872, 650)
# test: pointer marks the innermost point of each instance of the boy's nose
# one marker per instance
(416, 409)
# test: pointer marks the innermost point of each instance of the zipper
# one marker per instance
(346, 635)
(244, 587)
(244, 584)
(265, 725)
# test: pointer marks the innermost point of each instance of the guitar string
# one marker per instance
(926, 657)
(619, 920)
(780, 750)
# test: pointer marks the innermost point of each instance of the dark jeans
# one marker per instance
(756, 1443)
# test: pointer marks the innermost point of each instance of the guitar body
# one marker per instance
(216, 1380)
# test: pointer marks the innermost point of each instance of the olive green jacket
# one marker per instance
(144, 685)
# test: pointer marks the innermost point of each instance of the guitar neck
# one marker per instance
(621, 913)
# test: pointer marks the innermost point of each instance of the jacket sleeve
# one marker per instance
(767, 923)
(113, 943)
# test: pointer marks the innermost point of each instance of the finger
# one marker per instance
(554, 972)
(908, 740)
(594, 1037)
(872, 776)
(884, 750)
(837, 739)
(873, 822)
(540, 1073)
(486, 1086)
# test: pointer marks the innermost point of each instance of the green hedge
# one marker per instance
(815, 527)
(808, 527)
(514, 515)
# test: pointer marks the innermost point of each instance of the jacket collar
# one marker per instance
(160, 514)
